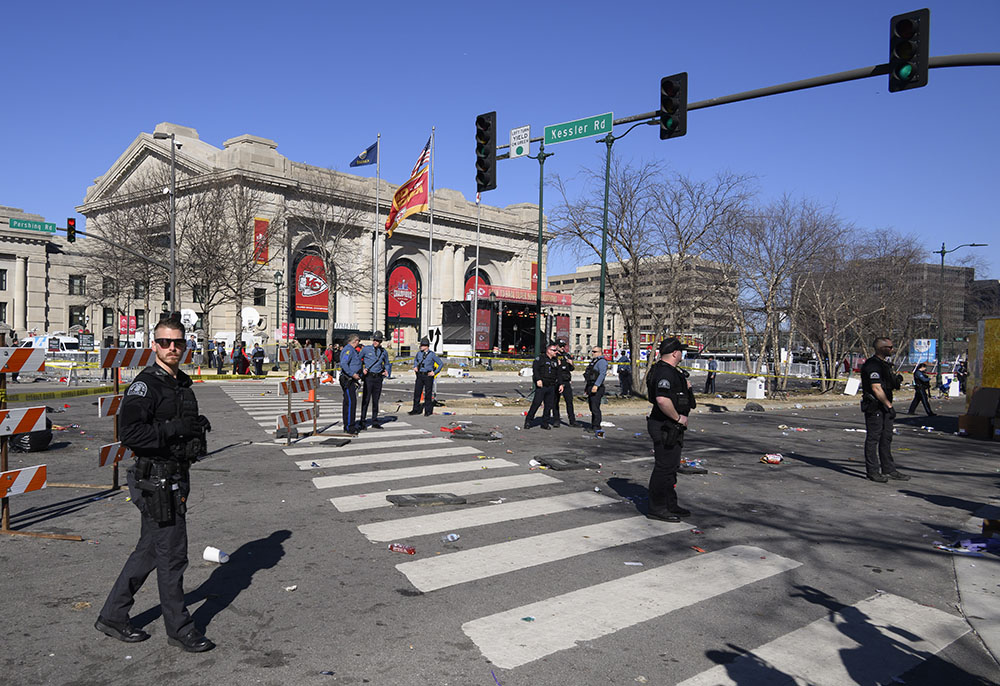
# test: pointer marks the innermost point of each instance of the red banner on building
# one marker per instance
(562, 327)
(260, 240)
(527, 296)
(484, 328)
(126, 325)
(534, 275)
(470, 284)
(310, 285)
(402, 293)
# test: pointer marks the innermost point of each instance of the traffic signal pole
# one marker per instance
(541, 157)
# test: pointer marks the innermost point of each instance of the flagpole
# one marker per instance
(378, 163)
(475, 284)
(430, 245)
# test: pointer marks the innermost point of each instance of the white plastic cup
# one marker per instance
(215, 555)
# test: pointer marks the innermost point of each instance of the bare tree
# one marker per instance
(329, 216)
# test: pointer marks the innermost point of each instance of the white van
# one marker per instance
(59, 343)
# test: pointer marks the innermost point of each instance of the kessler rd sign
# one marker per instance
(581, 128)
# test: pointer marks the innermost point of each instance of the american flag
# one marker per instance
(425, 158)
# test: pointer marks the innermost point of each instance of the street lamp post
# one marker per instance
(942, 252)
(160, 135)
(278, 278)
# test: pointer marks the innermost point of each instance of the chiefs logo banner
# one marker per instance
(402, 293)
(310, 285)
(260, 227)
(411, 198)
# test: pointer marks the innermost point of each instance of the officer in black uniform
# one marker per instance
(545, 373)
(670, 392)
(159, 422)
(375, 361)
(565, 378)
(878, 381)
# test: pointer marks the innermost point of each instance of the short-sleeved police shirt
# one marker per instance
(666, 382)
(877, 371)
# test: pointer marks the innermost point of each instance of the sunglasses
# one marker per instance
(167, 342)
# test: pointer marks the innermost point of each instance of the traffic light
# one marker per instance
(486, 152)
(909, 50)
(71, 230)
(673, 105)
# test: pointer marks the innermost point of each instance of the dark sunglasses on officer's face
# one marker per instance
(167, 342)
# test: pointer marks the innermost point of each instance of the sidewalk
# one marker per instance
(978, 581)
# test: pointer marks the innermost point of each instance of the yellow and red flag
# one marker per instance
(411, 198)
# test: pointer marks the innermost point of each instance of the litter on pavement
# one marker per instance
(772, 458)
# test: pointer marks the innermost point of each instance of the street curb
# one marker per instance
(978, 583)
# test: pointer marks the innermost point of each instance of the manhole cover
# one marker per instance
(564, 463)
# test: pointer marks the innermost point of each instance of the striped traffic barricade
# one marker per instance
(114, 452)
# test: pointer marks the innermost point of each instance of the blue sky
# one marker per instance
(81, 80)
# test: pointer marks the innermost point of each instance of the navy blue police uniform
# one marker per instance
(350, 379)
(566, 379)
(879, 463)
(375, 360)
(666, 381)
(426, 364)
(594, 375)
(546, 370)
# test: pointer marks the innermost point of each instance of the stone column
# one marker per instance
(458, 293)
(21, 294)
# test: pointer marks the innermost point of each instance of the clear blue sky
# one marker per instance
(81, 80)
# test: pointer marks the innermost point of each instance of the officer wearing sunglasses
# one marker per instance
(159, 422)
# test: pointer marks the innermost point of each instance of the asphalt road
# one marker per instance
(807, 565)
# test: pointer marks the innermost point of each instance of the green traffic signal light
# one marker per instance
(673, 106)
(909, 50)
(486, 152)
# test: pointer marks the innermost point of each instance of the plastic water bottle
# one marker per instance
(450, 538)
(400, 548)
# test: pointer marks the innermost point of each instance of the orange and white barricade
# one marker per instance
(298, 354)
(298, 386)
(114, 452)
(14, 360)
(286, 420)
(131, 358)
(22, 420)
(23, 480)
(109, 405)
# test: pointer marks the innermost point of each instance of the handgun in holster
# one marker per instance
(672, 433)
(158, 483)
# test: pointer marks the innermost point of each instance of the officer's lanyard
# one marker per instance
(379, 353)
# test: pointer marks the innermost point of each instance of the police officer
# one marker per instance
(593, 379)
(257, 355)
(545, 373)
(375, 365)
(878, 381)
(426, 365)
(565, 379)
(220, 356)
(350, 378)
(670, 392)
(625, 376)
(713, 369)
(921, 389)
(159, 422)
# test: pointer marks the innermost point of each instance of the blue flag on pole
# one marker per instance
(367, 156)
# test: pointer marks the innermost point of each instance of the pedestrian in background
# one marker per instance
(257, 355)
(921, 389)
(670, 393)
(375, 364)
(625, 376)
(426, 366)
(566, 382)
(961, 373)
(878, 381)
(545, 374)
(593, 380)
(220, 356)
(713, 368)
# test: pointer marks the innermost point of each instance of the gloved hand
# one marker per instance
(203, 422)
(891, 413)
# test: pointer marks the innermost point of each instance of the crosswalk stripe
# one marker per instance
(429, 440)
(480, 516)
(358, 478)
(368, 501)
(564, 621)
(352, 460)
(388, 426)
(434, 573)
(870, 642)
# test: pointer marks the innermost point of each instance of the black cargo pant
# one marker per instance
(567, 394)
(663, 480)
(371, 394)
(545, 397)
(594, 400)
(878, 443)
(424, 385)
(920, 396)
(162, 547)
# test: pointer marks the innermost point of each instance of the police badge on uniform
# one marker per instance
(664, 384)
(137, 388)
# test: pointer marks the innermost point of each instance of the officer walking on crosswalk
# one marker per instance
(375, 361)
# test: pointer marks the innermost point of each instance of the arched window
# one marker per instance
(403, 290)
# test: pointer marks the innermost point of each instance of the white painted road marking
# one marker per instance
(352, 447)
(407, 473)
(430, 574)
(871, 642)
(368, 501)
(479, 516)
(589, 613)
(351, 460)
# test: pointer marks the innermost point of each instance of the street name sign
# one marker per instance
(520, 141)
(580, 128)
(32, 225)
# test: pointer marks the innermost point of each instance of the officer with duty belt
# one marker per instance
(426, 365)
(545, 374)
(350, 378)
(565, 378)
(670, 392)
(159, 422)
(878, 381)
(375, 365)
(593, 380)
